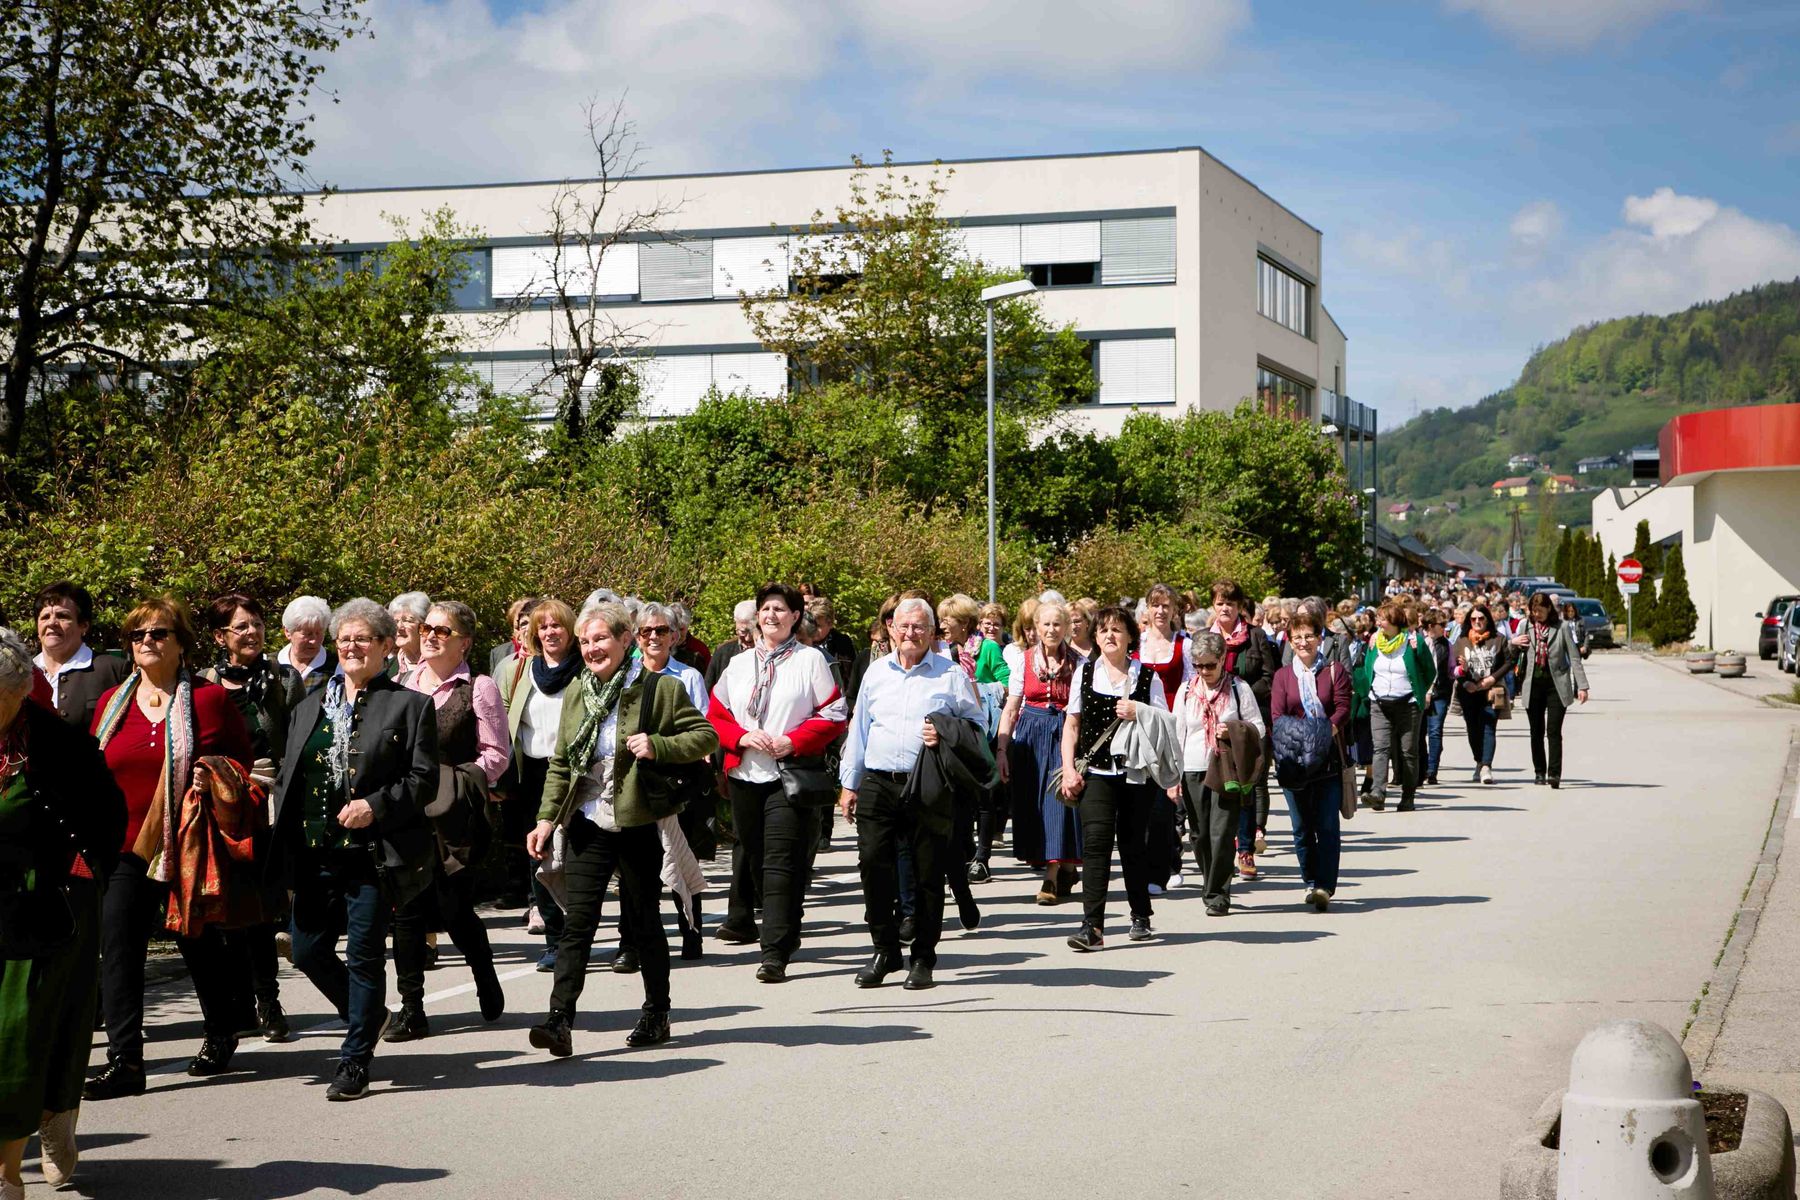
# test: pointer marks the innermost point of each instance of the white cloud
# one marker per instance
(1411, 254)
(1681, 250)
(1536, 226)
(1569, 24)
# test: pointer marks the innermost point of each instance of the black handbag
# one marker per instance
(808, 781)
(665, 787)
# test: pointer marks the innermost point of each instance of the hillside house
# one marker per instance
(1598, 462)
(1398, 511)
(1559, 483)
(1522, 462)
(1517, 486)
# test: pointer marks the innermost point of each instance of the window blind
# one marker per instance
(1137, 371)
(675, 270)
(1059, 242)
(1137, 250)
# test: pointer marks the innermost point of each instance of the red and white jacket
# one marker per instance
(804, 705)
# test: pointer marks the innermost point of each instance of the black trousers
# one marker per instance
(259, 945)
(132, 908)
(996, 804)
(448, 904)
(772, 863)
(883, 825)
(1162, 848)
(1113, 809)
(1214, 820)
(1546, 710)
(594, 856)
(517, 816)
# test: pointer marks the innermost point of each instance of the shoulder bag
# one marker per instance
(1081, 763)
(665, 787)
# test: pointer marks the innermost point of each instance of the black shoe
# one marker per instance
(554, 1035)
(884, 963)
(919, 978)
(1377, 803)
(735, 936)
(410, 1025)
(770, 970)
(350, 1083)
(1088, 939)
(1538, 779)
(490, 995)
(625, 962)
(1555, 783)
(1406, 805)
(967, 913)
(909, 929)
(1431, 780)
(979, 873)
(1368, 784)
(651, 1029)
(115, 1079)
(273, 1022)
(691, 946)
(1140, 930)
(1217, 910)
(214, 1057)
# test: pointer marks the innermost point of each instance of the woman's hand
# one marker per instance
(780, 747)
(1581, 696)
(847, 804)
(1003, 760)
(1175, 795)
(1126, 711)
(537, 842)
(1072, 782)
(356, 815)
(639, 744)
(758, 741)
(202, 777)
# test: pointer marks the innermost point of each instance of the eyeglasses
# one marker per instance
(156, 636)
(358, 641)
(650, 631)
(247, 627)
(1206, 666)
(438, 632)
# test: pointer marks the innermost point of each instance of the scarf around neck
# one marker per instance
(766, 663)
(1208, 708)
(1309, 686)
(1387, 645)
(552, 680)
(179, 752)
(253, 679)
(598, 699)
(1237, 637)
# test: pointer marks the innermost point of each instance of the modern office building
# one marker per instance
(1195, 288)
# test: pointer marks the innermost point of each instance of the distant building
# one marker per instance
(1453, 506)
(1398, 511)
(1559, 483)
(1598, 462)
(1517, 485)
(1522, 462)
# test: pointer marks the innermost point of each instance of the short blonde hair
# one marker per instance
(960, 608)
(548, 607)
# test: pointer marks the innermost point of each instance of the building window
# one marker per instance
(469, 291)
(1283, 396)
(1137, 371)
(1063, 274)
(1283, 297)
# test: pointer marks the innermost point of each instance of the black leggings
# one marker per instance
(1114, 810)
(1546, 710)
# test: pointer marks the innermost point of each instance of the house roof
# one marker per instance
(1563, 478)
(1514, 481)
(1403, 506)
(1468, 560)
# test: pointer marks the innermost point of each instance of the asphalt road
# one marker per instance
(1389, 1047)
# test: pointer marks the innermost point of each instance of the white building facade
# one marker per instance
(1195, 288)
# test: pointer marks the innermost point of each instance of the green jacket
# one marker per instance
(679, 733)
(1420, 671)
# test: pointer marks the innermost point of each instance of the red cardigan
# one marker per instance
(137, 765)
(1334, 693)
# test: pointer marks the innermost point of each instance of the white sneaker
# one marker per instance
(534, 920)
(58, 1138)
(1487, 774)
(1176, 880)
(11, 1191)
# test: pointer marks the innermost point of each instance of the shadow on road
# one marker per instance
(1361, 904)
(196, 1179)
(1107, 977)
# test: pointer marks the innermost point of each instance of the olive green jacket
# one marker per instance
(679, 733)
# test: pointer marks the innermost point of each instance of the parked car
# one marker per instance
(1788, 656)
(1768, 640)
(1593, 616)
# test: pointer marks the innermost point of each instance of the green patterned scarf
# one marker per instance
(598, 697)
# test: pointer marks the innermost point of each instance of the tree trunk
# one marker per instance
(12, 415)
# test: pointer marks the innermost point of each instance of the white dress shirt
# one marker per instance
(887, 731)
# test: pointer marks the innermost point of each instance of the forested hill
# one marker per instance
(1604, 388)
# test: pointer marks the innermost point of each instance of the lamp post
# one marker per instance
(1000, 291)
(1374, 547)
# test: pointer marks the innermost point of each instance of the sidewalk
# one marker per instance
(1743, 1033)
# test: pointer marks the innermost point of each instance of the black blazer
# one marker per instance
(82, 811)
(393, 766)
(79, 692)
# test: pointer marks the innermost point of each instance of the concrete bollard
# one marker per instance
(1631, 1128)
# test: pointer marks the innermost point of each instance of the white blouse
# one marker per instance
(1195, 754)
(803, 688)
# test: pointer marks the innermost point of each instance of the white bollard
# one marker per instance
(1631, 1128)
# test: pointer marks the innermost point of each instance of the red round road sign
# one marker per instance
(1630, 571)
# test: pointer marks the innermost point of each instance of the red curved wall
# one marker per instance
(1759, 437)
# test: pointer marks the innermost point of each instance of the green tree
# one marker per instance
(1610, 596)
(1563, 566)
(1675, 615)
(147, 152)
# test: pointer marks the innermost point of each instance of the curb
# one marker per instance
(1679, 666)
(1703, 1031)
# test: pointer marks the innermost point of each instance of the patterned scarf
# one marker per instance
(179, 751)
(598, 698)
(1540, 644)
(967, 653)
(1387, 645)
(764, 688)
(1309, 686)
(253, 679)
(1056, 683)
(1237, 637)
(341, 712)
(1207, 709)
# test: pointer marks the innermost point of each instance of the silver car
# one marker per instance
(1787, 654)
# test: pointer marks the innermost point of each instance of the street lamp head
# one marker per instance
(1001, 291)
(1368, 491)
(1328, 431)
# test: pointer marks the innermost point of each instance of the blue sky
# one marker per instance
(1487, 173)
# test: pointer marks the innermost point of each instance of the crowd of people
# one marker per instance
(375, 779)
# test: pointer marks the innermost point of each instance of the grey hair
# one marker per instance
(807, 627)
(305, 610)
(15, 664)
(653, 611)
(1052, 596)
(1204, 644)
(416, 603)
(682, 617)
(918, 602)
(744, 610)
(377, 618)
(1196, 621)
(617, 618)
(599, 596)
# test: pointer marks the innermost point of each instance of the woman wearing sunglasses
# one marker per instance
(154, 730)
(1203, 704)
(1482, 660)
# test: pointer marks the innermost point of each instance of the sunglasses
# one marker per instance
(654, 631)
(156, 636)
(438, 632)
(1206, 666)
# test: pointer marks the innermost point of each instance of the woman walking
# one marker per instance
(1553, 679)
(777, 703)
(472, 754)
(1312, 689)
(61, 820)
(1162, 647)
(532, 690)
(155, 728)
(619, 724)
(1482, 661)
(1391, 684)
(1213, 696)
(1114, 805)
(1046, 832)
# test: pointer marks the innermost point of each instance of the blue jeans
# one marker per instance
(1435, 712)
(1482, 727)
(336, 895)
(1315, 814)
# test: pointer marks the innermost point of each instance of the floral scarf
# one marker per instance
(766, 663)
(179, 751)
(598, 699)
(341, 712)
(1540, 644)
(1207, 709)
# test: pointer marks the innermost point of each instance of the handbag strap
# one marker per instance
(1111, 727)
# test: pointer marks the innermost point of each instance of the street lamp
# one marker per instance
(1000, 291)
(1374, 546)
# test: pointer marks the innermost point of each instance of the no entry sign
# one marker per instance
(1630, 571)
